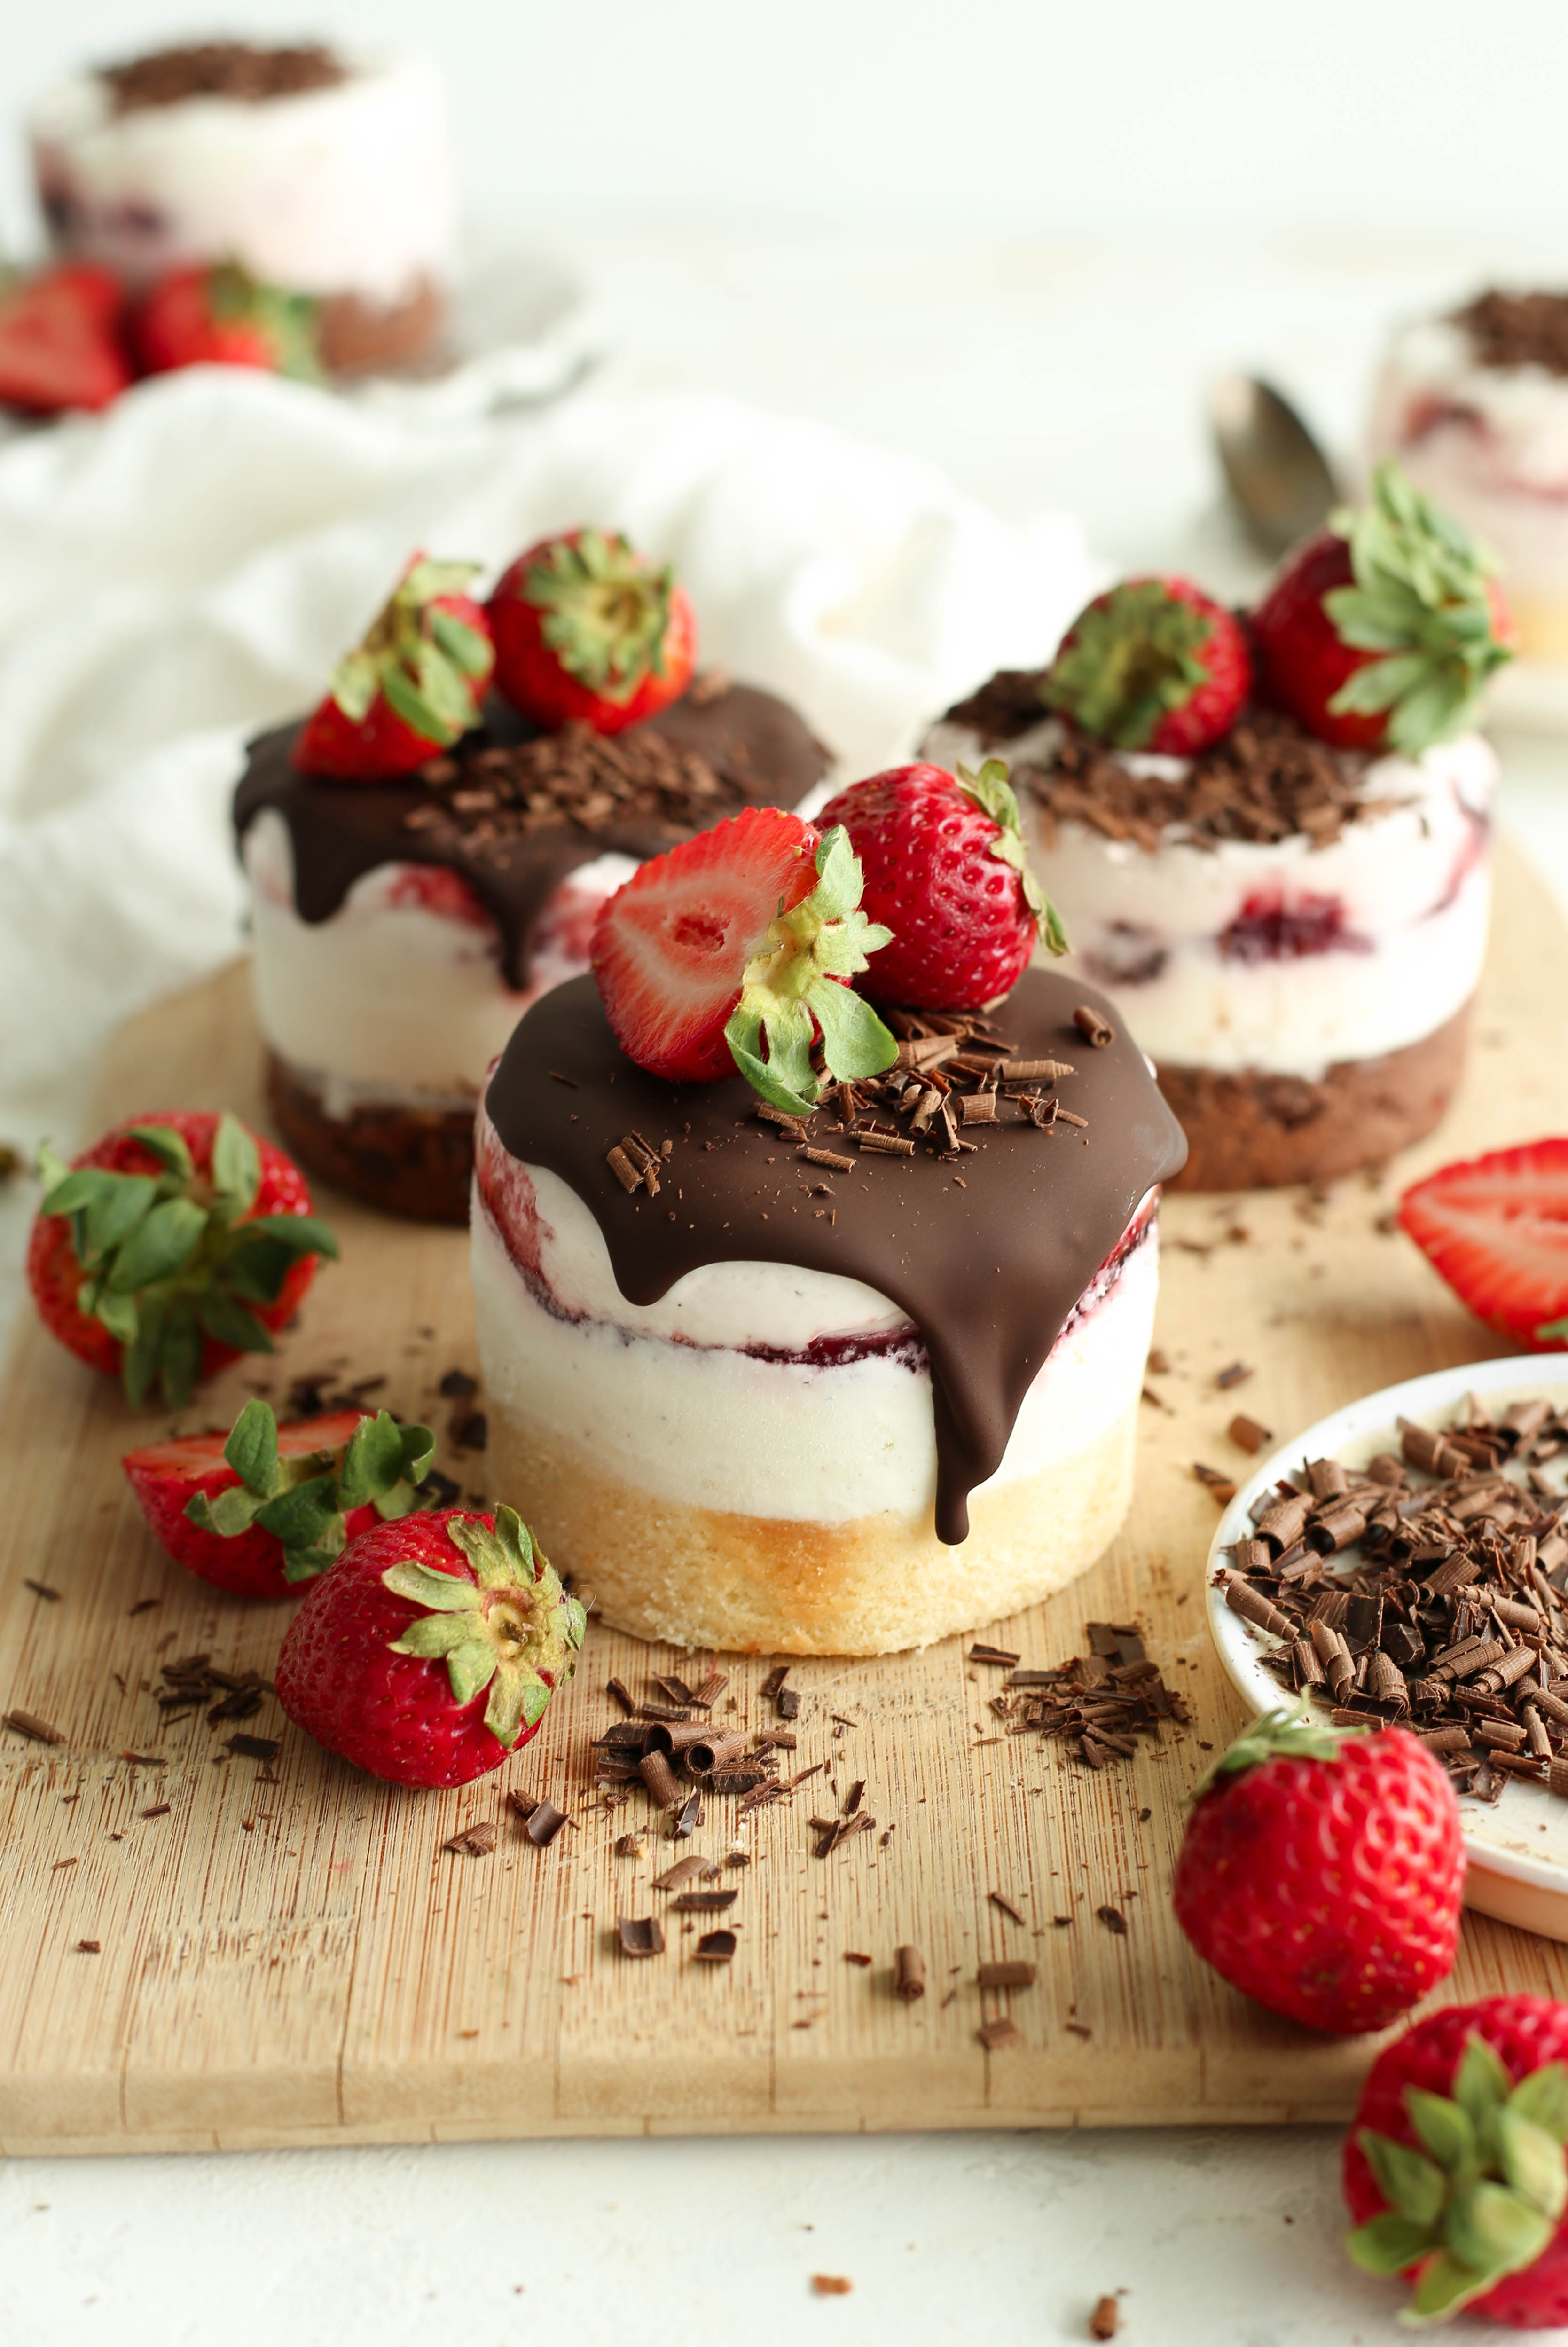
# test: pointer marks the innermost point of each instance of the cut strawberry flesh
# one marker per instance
(1497, 1230)
(671, 948)
(195, 1455)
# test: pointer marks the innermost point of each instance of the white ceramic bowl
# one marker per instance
(1518, 1847)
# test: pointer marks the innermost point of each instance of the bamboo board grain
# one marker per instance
(299, 1960)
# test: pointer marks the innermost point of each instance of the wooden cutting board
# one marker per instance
(289, 1955)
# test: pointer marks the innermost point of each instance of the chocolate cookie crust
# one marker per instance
(407, 1161)
(986, 1251)
(1258, 1131)
(231, 69)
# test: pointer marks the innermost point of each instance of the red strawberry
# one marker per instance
(1454, 2169)
(1496, 1229)
(745, 935)
(267, 1506)
(1152, 665)
(945, 869)
(1380, 631)
(1322, 1873)
(587, 630)
(411, 688)
(432, 1647)
(220, 315)
(59, 341)
(172, 1246)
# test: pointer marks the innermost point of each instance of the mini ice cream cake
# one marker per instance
(424, 861)
(1475, 407)
(1273, 842)
(839, 1351)
(325, 171)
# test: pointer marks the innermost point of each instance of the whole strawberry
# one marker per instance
(268, 1506)
(60, 342)
(945, 871)
(1152, 665)
(1496, 1229)
(1381, 632)
(1323, 1872)
(587, 630)
(171, 1247)
(431, 1648)
(1454, 2169)
(734, 951)
(220, 315)
(411, 688)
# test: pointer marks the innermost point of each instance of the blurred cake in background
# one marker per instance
(326, 171)
(1270, 838)
(1475, 407)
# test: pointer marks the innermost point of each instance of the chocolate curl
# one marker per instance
(674, 1737)
(1335, 1528)
(660, 1778)
(1254, 1607)
(1283, 1523)
(710, 1752)
(908, 1974)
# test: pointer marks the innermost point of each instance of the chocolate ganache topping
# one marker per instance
(986, 1251)
(513, 810)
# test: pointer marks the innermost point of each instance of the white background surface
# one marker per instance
(1018, 239)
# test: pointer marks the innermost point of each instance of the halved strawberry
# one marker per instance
(411, 688)
(1496, 1229)
(59, 343)
(741, 939)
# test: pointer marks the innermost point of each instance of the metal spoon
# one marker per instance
(1280, 481)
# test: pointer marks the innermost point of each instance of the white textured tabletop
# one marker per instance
(1040, 376)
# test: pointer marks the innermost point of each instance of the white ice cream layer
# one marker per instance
(666, 1396)
(348, 189)
(392, 1001)
(1174, 933)
(1488, 443)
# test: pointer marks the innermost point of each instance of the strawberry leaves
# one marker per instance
(1286, 1735)
(791, 992)
(170, 1259)
(1129, 661)
(606, 610)
(427, 663)
(516, 1632)
(1484, 2196)
(992, 792)
(301, 1502)
(1421, 600)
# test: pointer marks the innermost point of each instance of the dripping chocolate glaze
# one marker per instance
(759, 751)
(987, 1273)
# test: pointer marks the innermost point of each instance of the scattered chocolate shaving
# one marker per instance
(142, 1605)
(1006, 1975)
(995, 2035)
(640, 1935)
(473, 1842)
(704, 1903)
(714, 1948)
(787, 1703)
(253, 1748)
(660, 1778)
(1113, 1920)
(1000, 1655)
(28, 1723)
(686, 1869)
(1247, 1434)
(1088, 1023)
(158, 1809)
(1106, 2319)
(621, 1696)
(690, 1818)
(89, 1947)
(41, 1589)
(832, 2285)
(543, 1822)
(469, 1430)
(1006, 1906)
(854, 1956)
(1221, 1485)
(631, 1845)
(908, 1974)
(456, 1385)
(1237, 1374)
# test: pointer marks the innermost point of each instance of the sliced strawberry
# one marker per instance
(60, 344)
(1152, 665)
(1496, 1229)
(297, 1493)
(222, 317)
(587, 630)
(739, 939)
(414, 685)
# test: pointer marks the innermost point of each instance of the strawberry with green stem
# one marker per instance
(1152, 664)
(268, 1507)
(734, 951)
(218, 315)
(1381, 631)
(172, 1246)
(432, 1647)
(1454, 2169)
(588, 631)
(412, 687)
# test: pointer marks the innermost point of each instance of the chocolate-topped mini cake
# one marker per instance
(326, 171)
(1285, 877)
(837, 1376)
(403, 921)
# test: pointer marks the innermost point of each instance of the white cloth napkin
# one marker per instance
(190, 567)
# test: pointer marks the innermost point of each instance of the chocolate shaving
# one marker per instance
(1113, 1920)
(714, 1948)
(1006, 1975)
(1247, 1434)
(253, 1748)
(908, 1974)
(1006, 1906)
(995, 2035)
(543, 1822)
(1105, 2319)
(1088, 1023)
(1000, 1655)
(473, 1842)
(640, 1935)
(28, 1723)
(686, 1869)
(704, 1903)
